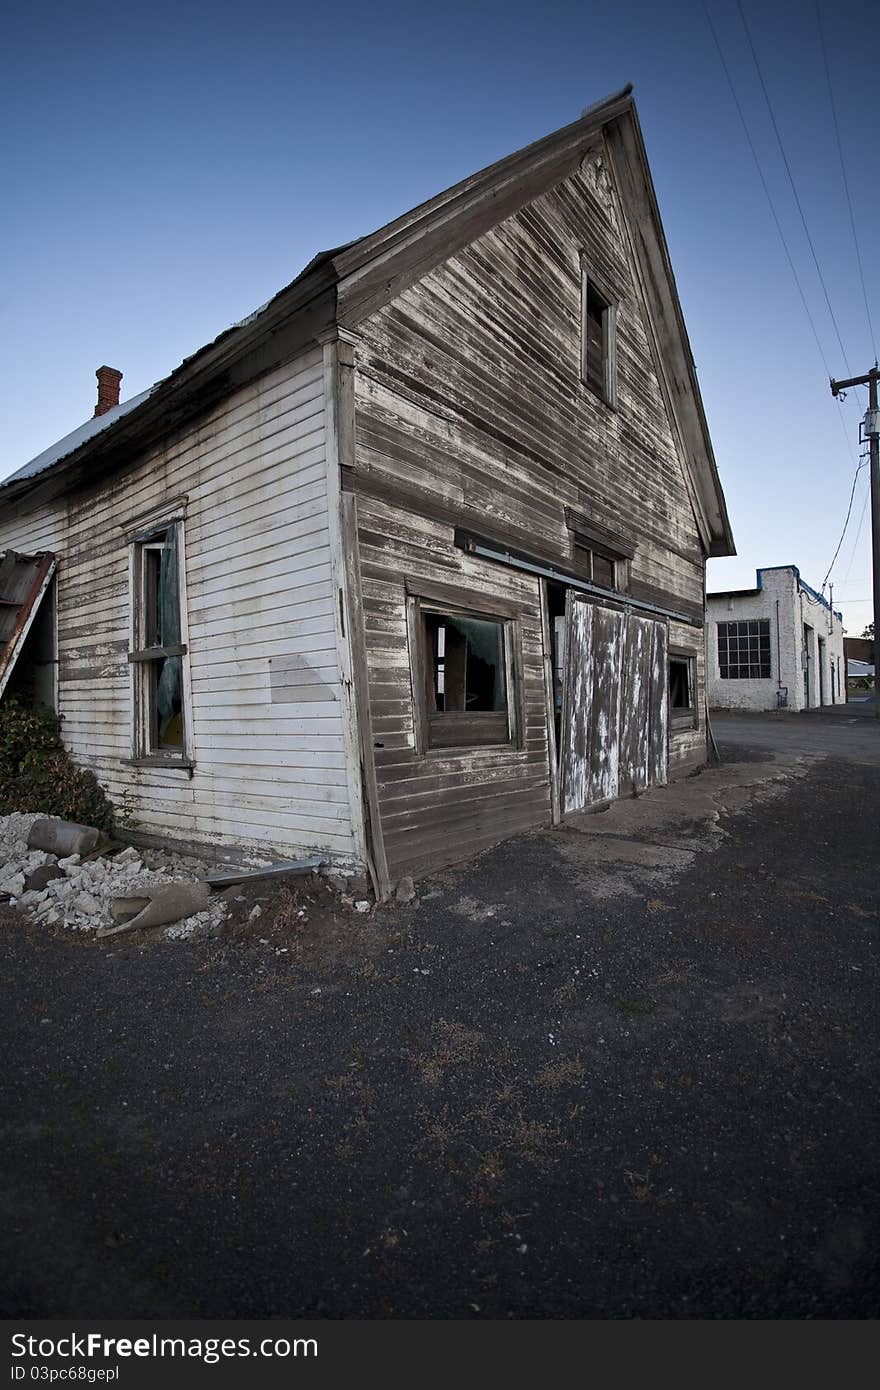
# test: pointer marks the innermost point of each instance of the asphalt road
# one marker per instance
(852, 733)
(632, 1074)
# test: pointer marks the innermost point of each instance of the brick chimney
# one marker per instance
(108, 389)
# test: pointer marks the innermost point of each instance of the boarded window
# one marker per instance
(599, 566)
(466, 679)
(744, 650)
(157, 658)
(598, 325)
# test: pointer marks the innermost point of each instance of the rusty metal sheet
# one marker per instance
(24, 580)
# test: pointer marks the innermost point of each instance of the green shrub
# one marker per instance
(37, 773)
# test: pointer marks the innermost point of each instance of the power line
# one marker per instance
(788, 256)
(852, 494)
(764, 185)
(858, 535)
(852, 220)
(792, 182)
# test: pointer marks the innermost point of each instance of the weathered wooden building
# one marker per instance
(414, 557)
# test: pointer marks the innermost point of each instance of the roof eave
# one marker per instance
(265, 339)
(627, 149)
(379, 266)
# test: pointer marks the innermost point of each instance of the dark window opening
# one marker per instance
(744, 650)
(682, 702)
(597, 340)
(595, 344)
(556, 615)
(466, 680)
(680, 684)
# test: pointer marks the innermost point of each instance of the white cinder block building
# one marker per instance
(777, 646)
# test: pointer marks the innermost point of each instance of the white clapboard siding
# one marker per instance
(267, 715)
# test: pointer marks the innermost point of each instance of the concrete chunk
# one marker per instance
(37, 879)
(405, 891)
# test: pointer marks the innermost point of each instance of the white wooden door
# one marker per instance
(614, 715)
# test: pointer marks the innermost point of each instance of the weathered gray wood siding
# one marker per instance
(443, 805)
(270, 768)
(470, 410)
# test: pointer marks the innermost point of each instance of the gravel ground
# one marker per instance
(526, 1097)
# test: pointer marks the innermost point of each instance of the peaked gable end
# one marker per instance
(469, 389)
(380, 269)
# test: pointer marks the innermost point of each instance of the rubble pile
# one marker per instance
(79, 893)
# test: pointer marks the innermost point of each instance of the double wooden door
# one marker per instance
(615, 709)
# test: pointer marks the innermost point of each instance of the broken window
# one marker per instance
(682, 706)
(744, 650)
(598, 327)
(466, 680)
(159, 649)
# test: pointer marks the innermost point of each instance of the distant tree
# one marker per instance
(869, 631)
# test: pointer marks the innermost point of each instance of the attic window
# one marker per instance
(598, 334)
(598, 565)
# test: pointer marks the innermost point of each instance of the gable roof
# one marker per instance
(343, 286)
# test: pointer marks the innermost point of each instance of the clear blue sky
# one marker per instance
(167, 168)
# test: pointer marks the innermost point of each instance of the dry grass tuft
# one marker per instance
(455, 1045)
(568, 1071)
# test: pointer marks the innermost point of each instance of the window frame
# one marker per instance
(141, 658)
(582, 545)
(483, 608)
(684, 718)
(590, 283)
(728, 623)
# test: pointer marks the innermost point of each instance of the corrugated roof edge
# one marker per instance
(56, 452)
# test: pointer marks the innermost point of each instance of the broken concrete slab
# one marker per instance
(12, 886)
(158, 906)
(124, 909)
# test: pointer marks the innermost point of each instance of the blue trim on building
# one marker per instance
(768, 569)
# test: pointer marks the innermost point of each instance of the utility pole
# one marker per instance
(872, 432)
